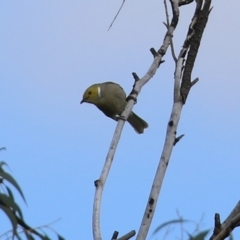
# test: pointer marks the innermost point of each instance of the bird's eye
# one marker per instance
(90, 92)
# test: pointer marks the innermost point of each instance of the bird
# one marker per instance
(110, 98)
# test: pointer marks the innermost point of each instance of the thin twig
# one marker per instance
(166, 11)
(167, 26)
(192, 44)
(226, 231)
(234, 212)
(170, 135)
(177, 139)
(184, 2)
(116, 14)
(27, 228)
(232, 221)
(99, 184)
(169, 141)
(128, 235)
(115, 235)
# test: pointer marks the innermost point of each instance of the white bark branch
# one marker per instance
(170, 135)
(167, 150)
(136, 90)
(222, 231)
(178, 102)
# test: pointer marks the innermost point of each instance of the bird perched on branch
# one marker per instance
(110, 98)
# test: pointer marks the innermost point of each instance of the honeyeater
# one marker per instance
(110, 98)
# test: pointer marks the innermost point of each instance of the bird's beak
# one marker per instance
(84, 100)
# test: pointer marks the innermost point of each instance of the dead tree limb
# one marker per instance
(179, 99)
(181, 89)
(223, 230)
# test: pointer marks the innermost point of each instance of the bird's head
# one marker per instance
(92, 94)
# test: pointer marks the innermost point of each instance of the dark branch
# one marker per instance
(192, 43)
(128, 235)
(154, 52)
(184, 2)
(178, 139)
(115, 235)
(223, 230)
(135, 76)
(116, 14)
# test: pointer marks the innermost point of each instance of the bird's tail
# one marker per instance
(137, 123)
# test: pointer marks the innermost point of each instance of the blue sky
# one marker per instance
(51, 51)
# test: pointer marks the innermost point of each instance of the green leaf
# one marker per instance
(45, 238)
(60, 237)
(2, 163)
(18, 237)
(180, 220)
(10, 193)
(28, 235)
(200, 236)
(10, 179)
(8, 202)
(11, 217)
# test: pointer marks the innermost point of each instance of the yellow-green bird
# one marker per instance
(110, 98)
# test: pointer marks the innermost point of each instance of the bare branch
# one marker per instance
(177, 139)
(127, 236)
(116, 14)
(222, 231)
(169, 141)
(167, 26)
(225, 232)
(217, 226)
(132, 98)
(135, 76)
(170, 137)
(115, 235)
(184, 2)
(194, 81)
(166, 12)
(234, 212)
(172, 47)
(192, 43)
(154, 52)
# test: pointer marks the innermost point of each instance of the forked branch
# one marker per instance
(99, 184)
(223, 230)
(193, 39)
(178, 102)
